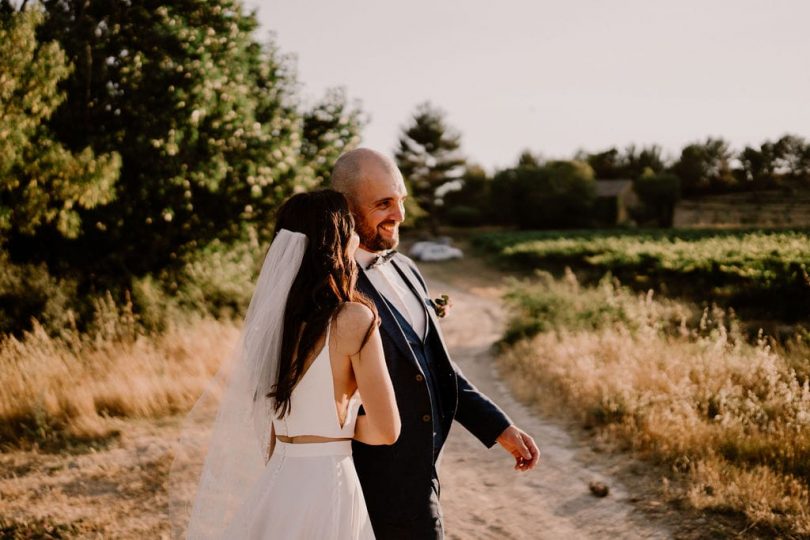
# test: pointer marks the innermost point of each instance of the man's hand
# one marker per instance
(518, 443)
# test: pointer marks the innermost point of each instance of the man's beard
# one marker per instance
(370, 237)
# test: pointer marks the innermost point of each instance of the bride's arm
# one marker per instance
(381, 423)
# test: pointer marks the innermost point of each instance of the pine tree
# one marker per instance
(429, 157)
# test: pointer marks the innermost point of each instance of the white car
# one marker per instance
(433, 251)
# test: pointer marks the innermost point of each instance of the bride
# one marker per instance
(278, 463)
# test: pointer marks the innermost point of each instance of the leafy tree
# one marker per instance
(429, 159)
(613, 164)
(705, 166)
(607, 165)
(43, 184)
(758, 166)
(203, 116)
(792, 159)
(330, 128)
(472, 204)
(636, 163)
(559, 194)
(659, 192)
(527, 159)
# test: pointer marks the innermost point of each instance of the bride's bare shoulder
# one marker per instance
(352, 324)
(355, 315)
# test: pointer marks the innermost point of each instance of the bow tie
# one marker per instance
(381, 259)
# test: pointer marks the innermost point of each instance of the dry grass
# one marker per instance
(731, 418)
(57, 390)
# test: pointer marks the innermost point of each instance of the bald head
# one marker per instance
(376, 192)
(355, 168)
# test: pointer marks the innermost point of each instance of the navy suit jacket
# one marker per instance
(397, 479)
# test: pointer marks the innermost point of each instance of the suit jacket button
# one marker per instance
(419, 377)
(426, 418)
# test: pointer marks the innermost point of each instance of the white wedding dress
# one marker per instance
(308, 490)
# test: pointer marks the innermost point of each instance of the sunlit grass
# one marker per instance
(57, 389)
(732, 418)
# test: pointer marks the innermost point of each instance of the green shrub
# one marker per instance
(544, 304)
(28, 291)
(219, 279)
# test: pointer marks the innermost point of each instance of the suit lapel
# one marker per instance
(416, 289)
(424, 297)
(388, 322)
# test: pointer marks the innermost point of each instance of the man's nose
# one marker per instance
(398, 213)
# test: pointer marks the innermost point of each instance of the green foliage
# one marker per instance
(705, 166)
(766, 272)
(615, 165)
(472, 203)
(659, 192)
(545, 304)
(220, 278)
(527, 159)
(429, 158)
(43, 184)
(758, 166)
(557, 194)
(134, 139)
(28, 291)
(792, 156)
(204, 118)
(217, 280)
(330, 128)
(201, 114)
(606, 165)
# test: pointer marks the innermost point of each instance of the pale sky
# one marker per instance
(557, 76)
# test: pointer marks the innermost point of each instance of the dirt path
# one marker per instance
(482, 496)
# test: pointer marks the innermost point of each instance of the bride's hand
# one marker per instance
(521, 446)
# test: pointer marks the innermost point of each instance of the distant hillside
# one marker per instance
(758, 209)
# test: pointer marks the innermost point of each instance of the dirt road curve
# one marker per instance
(482, 496)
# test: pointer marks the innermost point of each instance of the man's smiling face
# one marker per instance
(378, 206)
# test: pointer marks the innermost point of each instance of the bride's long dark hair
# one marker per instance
(325, 282)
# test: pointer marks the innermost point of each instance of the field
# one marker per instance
(653, 345)
(762, 274)
(73, 390)
(673, 382)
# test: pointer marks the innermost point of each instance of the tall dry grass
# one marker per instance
(730, 417)
(54, 390)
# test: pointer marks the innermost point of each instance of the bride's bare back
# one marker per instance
(357, 366)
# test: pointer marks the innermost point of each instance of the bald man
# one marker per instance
(399, 481)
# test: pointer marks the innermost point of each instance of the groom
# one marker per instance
(399, 481)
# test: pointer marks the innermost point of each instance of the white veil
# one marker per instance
(214, 468)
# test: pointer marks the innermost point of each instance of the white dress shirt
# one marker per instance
(390, 284)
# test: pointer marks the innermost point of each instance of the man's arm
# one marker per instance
(477, 413)
(483, 418)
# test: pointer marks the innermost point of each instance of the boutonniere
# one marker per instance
(442, 305)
